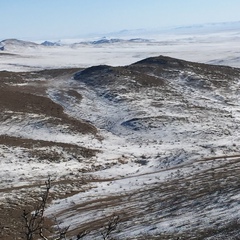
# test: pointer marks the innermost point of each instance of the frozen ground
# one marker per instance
(155, 142)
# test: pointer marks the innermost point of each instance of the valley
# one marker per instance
(155, 142)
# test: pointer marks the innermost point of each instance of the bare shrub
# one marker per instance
(34, 223)
(110, 227)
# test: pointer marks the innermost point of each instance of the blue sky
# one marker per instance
(52, 19)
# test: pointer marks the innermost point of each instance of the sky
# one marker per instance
(53, 19)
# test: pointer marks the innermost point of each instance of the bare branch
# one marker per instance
(34, 221)
(82, 234)
(110, 227)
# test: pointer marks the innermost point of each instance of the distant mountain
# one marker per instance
(50, 44)
(139, 40)
(105, 40)
(19, 42)
(13, 44)
(187, 29)
(208, 28)
(152, 34)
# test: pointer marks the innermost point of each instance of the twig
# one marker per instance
(111, 226)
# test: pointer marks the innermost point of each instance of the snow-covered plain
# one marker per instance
(217, 48)
(188, 139)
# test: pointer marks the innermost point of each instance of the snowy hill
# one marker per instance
(155, 142)
(15, 44)
(50, 44)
